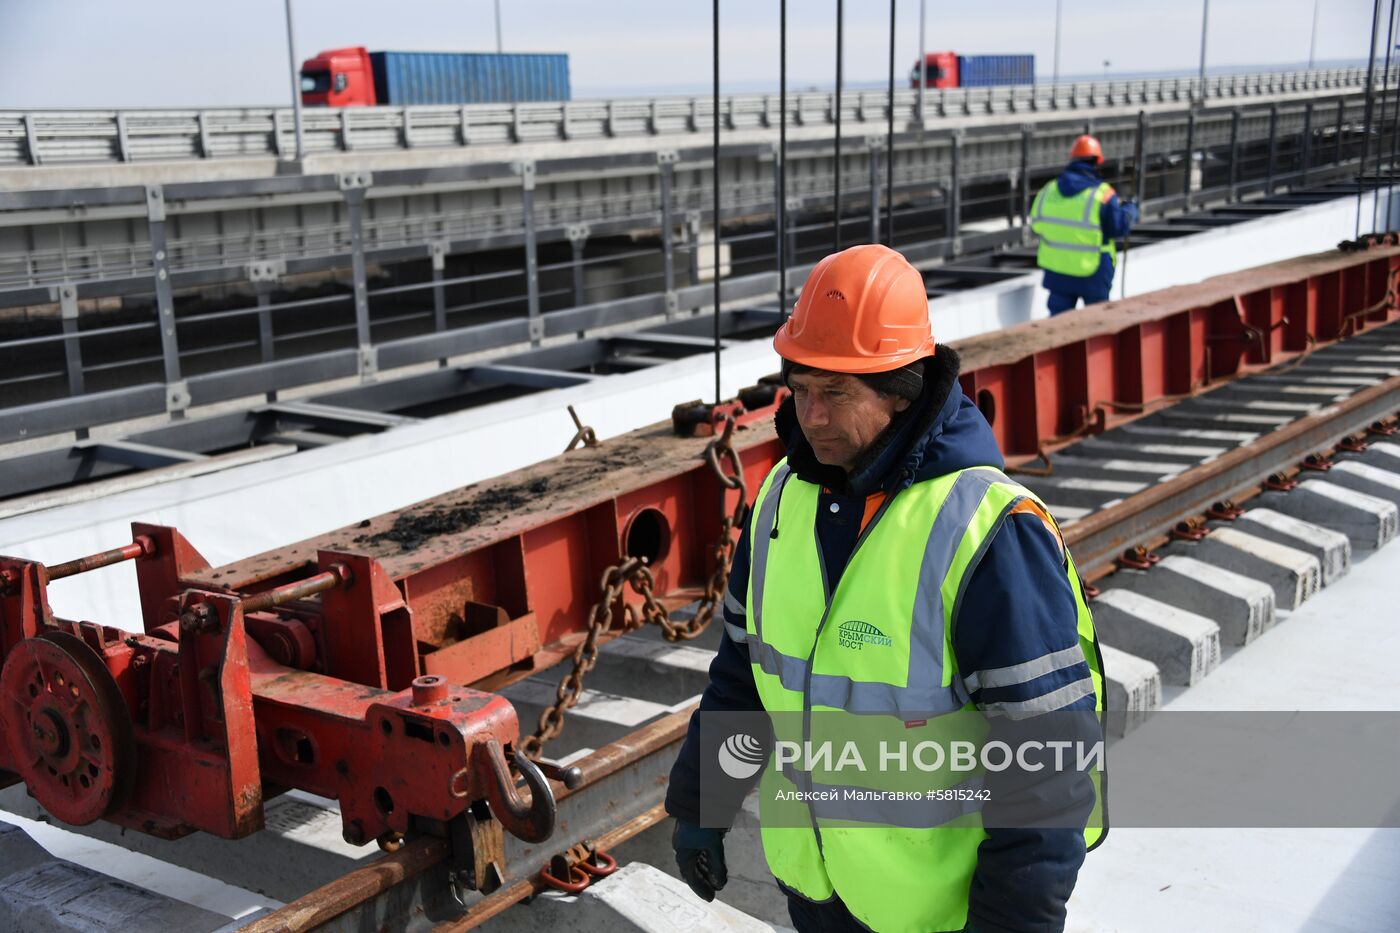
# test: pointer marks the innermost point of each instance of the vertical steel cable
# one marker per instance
(714, 148)
(1395, 123)
(836, 197)
(1370, 111)
(1380, 147)
(889, 146)
(782, 162)
(1394, 149)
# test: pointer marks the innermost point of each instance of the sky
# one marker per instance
(189, 53)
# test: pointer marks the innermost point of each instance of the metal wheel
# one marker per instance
(66, 726)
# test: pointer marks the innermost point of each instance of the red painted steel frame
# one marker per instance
(494, 582)
(1043, 383)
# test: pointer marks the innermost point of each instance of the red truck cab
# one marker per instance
(338, 78)
(941, 68)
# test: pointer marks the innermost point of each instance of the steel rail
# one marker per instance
(359, 887)
(1097, 539)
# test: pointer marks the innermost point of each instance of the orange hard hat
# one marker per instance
(1087, 147)
(862, 310)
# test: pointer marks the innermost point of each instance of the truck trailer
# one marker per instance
(356, 77)
(949, 69)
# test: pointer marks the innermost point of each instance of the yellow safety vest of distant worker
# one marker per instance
(1078, 217)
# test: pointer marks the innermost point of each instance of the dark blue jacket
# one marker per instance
(1018, 607)
(1115, 219)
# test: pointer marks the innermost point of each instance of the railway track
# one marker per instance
(1200, 521)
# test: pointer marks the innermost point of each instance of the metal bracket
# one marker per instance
(349, 181)
(155, 203)
(438, 251)
(267, 271)
(874, 142)
(577, 233)
(673, 305)
(177, 396)
(536, 329)
(478, 852)
(526, 171)
(369, 361)
(667, 157)
(68, 301)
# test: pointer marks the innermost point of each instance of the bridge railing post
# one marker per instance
(953, 219)
(872, 152)
(1273, 150)
(177, 396)
(1024, 178)
(1188, 163)
(437, 251)
(526, 170)
(352, 187)
(666, 168)
(72, 346)
(1341, 120)
(1307, 142)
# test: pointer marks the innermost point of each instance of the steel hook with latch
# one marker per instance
(531, 820)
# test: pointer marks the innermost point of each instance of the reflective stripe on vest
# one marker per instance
(923, 695)
(881, 644)
(1071, 238)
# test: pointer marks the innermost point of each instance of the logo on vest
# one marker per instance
(856, 634)
(741, 756)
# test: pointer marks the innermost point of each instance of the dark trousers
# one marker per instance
(1060, 302)
(828, 917)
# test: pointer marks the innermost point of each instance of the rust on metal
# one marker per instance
(143, 546)
(337, 575)
(496, 904)
(353, 889)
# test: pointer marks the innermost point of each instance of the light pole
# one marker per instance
(1205, 23)
(296, 84)
(1056, 77)
(498, 27)
(923, 64)
(1312, 43)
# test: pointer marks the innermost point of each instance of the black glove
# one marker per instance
(700, 855)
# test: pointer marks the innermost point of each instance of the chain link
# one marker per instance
(634, 572)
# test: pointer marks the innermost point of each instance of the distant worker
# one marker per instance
(912, 582)
(1078, 217)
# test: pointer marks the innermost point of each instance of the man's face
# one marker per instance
(840, 415)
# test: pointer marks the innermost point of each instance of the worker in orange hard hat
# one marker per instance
(889, 568)
(1078, 218)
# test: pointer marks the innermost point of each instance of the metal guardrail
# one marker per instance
(923, 161)
(49, 137)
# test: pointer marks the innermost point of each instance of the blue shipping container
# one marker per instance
(995, 70)
(407, 78)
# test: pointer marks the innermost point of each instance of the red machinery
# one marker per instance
(337, 666)
(340, 665)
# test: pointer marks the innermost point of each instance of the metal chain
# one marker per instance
(634, 572)
(600, 620)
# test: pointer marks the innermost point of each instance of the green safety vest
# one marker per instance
(1071, 239)
(897, 600)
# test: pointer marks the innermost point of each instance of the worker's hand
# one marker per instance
(1131, 210)
(700, 855)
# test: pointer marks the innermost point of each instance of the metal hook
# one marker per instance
(531, 820)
